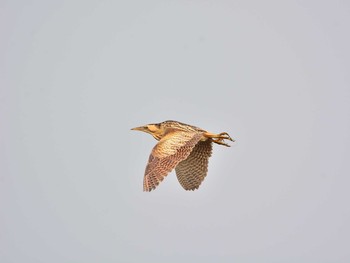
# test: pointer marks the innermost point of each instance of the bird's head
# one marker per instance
(156, 130)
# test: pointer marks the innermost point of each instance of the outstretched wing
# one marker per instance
(174, 147)
(192, 171)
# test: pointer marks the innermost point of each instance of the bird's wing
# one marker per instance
(192, 171)
(174, 147)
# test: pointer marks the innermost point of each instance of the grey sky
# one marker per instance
(77, 75)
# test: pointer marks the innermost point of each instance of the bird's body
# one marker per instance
(181, 146)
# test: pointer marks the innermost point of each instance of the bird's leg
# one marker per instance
(219, 138)
(222, 136)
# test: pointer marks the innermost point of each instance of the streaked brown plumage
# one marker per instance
(183, 147)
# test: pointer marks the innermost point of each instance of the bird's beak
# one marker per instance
(141, 128)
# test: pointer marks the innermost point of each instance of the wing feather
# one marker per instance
(174, 147)
(192, 171)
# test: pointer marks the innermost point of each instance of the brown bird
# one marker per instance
(183, 147)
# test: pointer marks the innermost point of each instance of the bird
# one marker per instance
(181, 146)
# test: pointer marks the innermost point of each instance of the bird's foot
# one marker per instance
(219, 138)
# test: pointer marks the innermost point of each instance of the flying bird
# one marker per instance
(181, 146)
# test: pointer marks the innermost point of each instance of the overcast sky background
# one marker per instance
(77, 75)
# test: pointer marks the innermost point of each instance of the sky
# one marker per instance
(76, 76)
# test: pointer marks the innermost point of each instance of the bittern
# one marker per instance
(181, 146)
